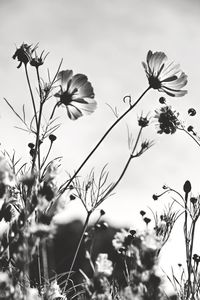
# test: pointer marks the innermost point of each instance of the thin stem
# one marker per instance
(31, 92)
(47, 155)
(190, 254)
(123, 171)
(37, 145)
(78, 247)
(53, 111)
(183, 129)
(63, 188)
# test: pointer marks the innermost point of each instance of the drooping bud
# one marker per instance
(155, 197)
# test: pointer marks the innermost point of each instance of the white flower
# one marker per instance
(76, 94)
(103, 266)
(163, 76)
(119, 239)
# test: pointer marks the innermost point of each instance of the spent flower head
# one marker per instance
(24, 54)
(37, 61)
(143, 121)
(164, 76)
(76, 94)
(168, 121)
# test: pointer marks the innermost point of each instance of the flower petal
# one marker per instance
(73, 112)
(64, 78)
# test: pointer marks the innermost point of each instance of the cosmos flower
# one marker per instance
(164, 76)
(76, 94)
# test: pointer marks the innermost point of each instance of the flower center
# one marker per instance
(67, 97)
(154, 82)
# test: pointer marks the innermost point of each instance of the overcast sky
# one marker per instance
(107, 40)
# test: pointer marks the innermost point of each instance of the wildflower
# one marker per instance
(167, 119)
(119, 238)
(24, 54)
(76, 94)
(150, 241)
(163, 76)
(103, 266)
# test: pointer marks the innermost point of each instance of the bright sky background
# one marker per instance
(107, 40)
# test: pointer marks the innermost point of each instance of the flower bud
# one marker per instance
(52, 137)
(72, 197)
(102, 212)
(142, 212)
(187, 186)
(31, 145)
(162, 100)
(191, 112)
(190, 128)
(147, 220)
(193, 200)
(155, 197)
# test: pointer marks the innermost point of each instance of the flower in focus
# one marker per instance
(167, 119)
(103, 266)
(24, 54)
(76, 94)
(163, 76)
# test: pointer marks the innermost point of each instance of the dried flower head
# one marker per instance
(163, 76)
(168, 121)
(24, 54)
(37, 61)
(143, 121)
(76, 94)
(103, 266)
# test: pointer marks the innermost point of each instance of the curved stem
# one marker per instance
(183, 129)
(63, 188)
(78, 247)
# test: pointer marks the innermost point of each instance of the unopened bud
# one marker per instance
(187, 186)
